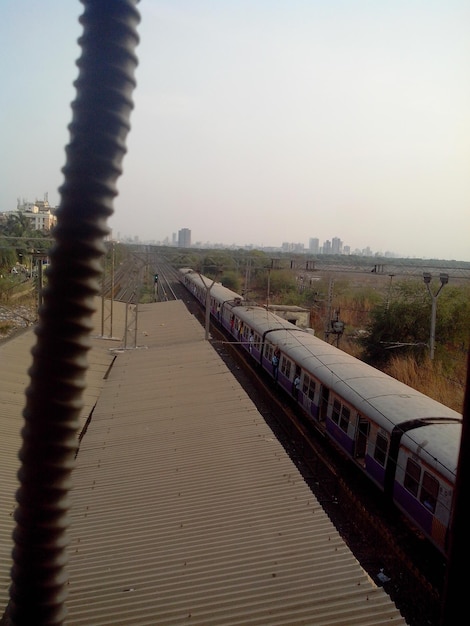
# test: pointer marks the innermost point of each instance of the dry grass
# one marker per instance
(429, 378)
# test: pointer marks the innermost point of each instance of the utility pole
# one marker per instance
(208, 305)
(155, 287)
(328, 310)
(247, 277)
(444, 278)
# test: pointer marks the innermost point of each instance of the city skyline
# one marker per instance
(37, 209)
(182, 238)
(261, 122)
(293, 247)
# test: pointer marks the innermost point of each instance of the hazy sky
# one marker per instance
(263, 121)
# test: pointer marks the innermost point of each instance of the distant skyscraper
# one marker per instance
(184, 238)
(336, 245)
(314, 245)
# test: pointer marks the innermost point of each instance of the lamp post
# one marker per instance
(444, 278)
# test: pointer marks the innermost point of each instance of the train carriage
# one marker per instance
(405, 442)
(425, 477)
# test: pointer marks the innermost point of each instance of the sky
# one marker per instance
(262, 121)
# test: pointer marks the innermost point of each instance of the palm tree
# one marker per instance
(17, 225)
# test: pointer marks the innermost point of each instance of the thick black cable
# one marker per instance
(100, 124)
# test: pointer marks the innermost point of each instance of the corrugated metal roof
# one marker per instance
(186, 509)
(15, 359)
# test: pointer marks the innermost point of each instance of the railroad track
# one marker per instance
(126, 282)
(168, 279)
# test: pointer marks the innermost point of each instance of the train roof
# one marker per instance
(437, 445)
(262, 319)
(388, 400)
(223, 294)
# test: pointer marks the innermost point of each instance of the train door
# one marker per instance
(323, 404)
(362, 436)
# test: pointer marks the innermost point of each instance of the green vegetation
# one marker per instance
(387, 322)
(231, 280)
(404, 324)
(20, 250)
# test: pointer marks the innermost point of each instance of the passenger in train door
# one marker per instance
(251, 339)
(296, 386)
(275, 362)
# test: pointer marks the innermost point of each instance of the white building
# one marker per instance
(40, 214)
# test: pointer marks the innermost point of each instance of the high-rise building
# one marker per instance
(314, 245)
(327, 247)
(336, 245)
(288, 246)
(184, 238)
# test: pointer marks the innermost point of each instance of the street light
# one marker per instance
(444, 278)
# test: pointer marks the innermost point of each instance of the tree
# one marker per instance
(231, 280)
(282, 285)
(8, 256)
(453, 313)
(25, 242)
(217, 261)
(17, 225)
(402, 327)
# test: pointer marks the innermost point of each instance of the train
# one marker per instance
(405, 442)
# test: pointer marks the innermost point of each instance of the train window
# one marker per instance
(269, 351)
(286, 367)
(381, 447)
(336, 411)
(308, 387)
(429, 492)
(344, 420)
(412, 477)
(305, 384)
